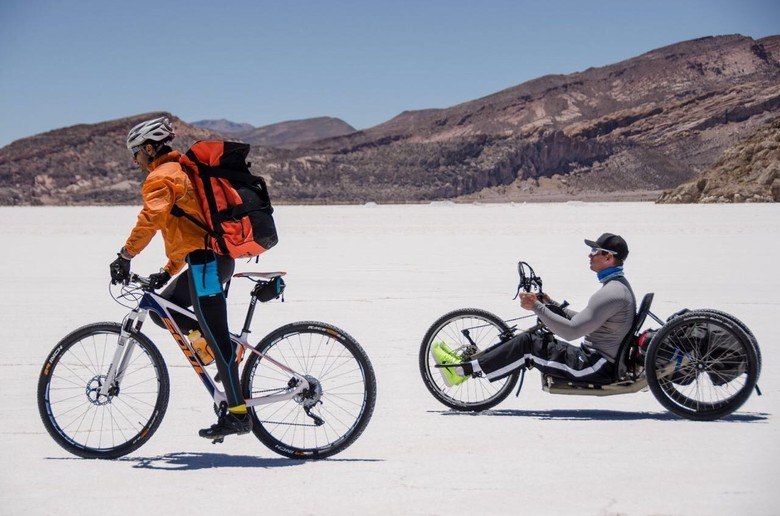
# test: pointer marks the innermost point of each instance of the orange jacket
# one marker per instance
(166, 184)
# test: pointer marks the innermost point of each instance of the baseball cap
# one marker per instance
(610, 242)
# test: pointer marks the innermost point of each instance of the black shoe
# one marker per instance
(228, 424)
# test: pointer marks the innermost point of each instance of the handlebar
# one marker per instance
(529, 281)
(143, 281)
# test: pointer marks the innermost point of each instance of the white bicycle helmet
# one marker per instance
(158, 130)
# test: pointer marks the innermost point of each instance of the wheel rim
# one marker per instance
(484, 333)
(337, 394)
(97, 422)
(703, 366)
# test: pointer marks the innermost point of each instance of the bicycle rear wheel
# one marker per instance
(701, 366)
(326, 418)
(467, 331)
(92, 425)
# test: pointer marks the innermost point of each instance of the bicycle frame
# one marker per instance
(151, 301)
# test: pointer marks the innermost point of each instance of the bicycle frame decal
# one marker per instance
(162, 307)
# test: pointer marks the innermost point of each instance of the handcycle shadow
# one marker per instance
(599, 415)
(189, 461)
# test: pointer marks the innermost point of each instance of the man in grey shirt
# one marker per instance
(604, 322)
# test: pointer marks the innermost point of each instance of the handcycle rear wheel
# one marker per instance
(92, 425)
(702, 366)
(343, 392)
(742, 326)
(484, 330)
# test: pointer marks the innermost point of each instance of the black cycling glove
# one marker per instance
(158, 279)
(120, 269)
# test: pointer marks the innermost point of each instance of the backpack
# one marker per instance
(235, 203)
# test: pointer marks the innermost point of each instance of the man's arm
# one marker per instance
(601, 306)
(158, 196)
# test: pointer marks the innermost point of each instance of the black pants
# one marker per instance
(178, 293)
(549, 355)
(201, 288)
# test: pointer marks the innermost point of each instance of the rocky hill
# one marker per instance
(82, 164)
(296, 133)
(223, 126)
(646, 124)
(285, 135)
(747, 172)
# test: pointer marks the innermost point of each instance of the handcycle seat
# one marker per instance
(621, 365)
(260, 275)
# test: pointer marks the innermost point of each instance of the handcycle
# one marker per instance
(700, 364)
(310, 388)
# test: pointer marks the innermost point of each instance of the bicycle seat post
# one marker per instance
(250, 312)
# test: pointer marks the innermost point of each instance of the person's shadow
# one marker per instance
(599, 415)
(188, 461)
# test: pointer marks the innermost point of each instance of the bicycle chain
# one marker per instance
(278, 422)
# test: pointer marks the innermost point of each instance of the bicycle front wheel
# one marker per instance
(328, 416)
(467, 332)
(84, 421)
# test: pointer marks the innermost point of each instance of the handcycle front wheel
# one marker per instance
(330, 415)
(84, 421)
(466, 331)
(702, 366)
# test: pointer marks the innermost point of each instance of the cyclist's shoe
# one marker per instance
(443, 355)
(228, 424)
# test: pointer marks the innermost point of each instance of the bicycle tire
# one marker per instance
(716, 366)
(72, 411)
(345, 401)
(739, 323)
(475, 394)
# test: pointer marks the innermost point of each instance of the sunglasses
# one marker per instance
(596, 250)
(136, 150)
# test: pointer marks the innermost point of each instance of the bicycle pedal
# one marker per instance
(218, 440)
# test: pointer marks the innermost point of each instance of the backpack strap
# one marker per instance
(176, 211)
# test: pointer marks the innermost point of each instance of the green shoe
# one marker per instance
(443, 355)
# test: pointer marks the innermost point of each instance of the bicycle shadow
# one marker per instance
(599, 415)
(190, 461)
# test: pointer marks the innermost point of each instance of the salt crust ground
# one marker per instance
(384, 273)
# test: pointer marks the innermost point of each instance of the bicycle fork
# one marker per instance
(123, 353)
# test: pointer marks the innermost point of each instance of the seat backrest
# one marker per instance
(624, 351)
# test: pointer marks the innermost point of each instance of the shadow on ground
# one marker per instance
(189, 461)
(599, 415)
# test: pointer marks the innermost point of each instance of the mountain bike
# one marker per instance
(700, 364)
(310, 388)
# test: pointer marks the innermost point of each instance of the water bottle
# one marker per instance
(201, 347)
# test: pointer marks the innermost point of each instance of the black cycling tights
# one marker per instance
(201, 287)
(208, 302)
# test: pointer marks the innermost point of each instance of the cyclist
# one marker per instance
(166, 183)
(604, 323)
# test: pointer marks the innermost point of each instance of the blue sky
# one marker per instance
(261, 62)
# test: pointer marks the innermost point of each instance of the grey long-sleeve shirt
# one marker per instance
(604, 321)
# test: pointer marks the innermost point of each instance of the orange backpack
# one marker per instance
(235, 203)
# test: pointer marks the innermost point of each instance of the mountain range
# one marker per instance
(665, 120)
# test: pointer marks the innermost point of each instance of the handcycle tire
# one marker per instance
(348, 390)
(77, 418)
(716, 366)
(475, 394)
(739, 323)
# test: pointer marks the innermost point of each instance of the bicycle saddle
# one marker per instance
(260, 275)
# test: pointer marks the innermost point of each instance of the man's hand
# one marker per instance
(528, 300)
(120, 269)
(159, 279)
